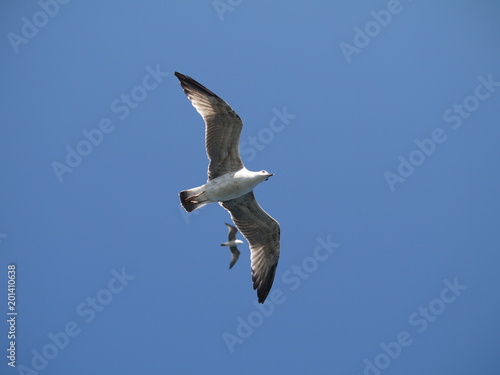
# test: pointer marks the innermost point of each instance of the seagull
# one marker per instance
(231, 184)
(232, 242)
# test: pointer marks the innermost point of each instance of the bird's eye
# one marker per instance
(262, 171)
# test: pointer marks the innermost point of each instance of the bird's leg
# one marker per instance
(192, 198)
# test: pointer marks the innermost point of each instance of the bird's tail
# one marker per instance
(193, 199)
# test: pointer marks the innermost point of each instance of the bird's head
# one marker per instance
(266, 174)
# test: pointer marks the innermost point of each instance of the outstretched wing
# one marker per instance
(232, 231)
(231, 236)
(235, 254)
(222, 130)
(263, 234)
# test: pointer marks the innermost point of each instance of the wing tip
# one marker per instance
(264, 284)
(189, 84)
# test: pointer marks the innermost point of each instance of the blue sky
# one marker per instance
(380, 121)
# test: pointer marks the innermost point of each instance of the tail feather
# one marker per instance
(192, 199)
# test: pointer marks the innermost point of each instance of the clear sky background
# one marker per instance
(386, 186)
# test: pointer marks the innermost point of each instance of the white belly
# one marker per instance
(232, 243)
(229, 186)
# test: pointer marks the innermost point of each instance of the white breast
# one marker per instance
(231, 185)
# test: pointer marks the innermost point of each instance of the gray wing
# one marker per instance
(231, 236)
(223, 127)
(263, 234)
(232, 232)
(235, 254)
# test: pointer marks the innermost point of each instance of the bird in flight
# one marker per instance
(231, 184)
(232, 242)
